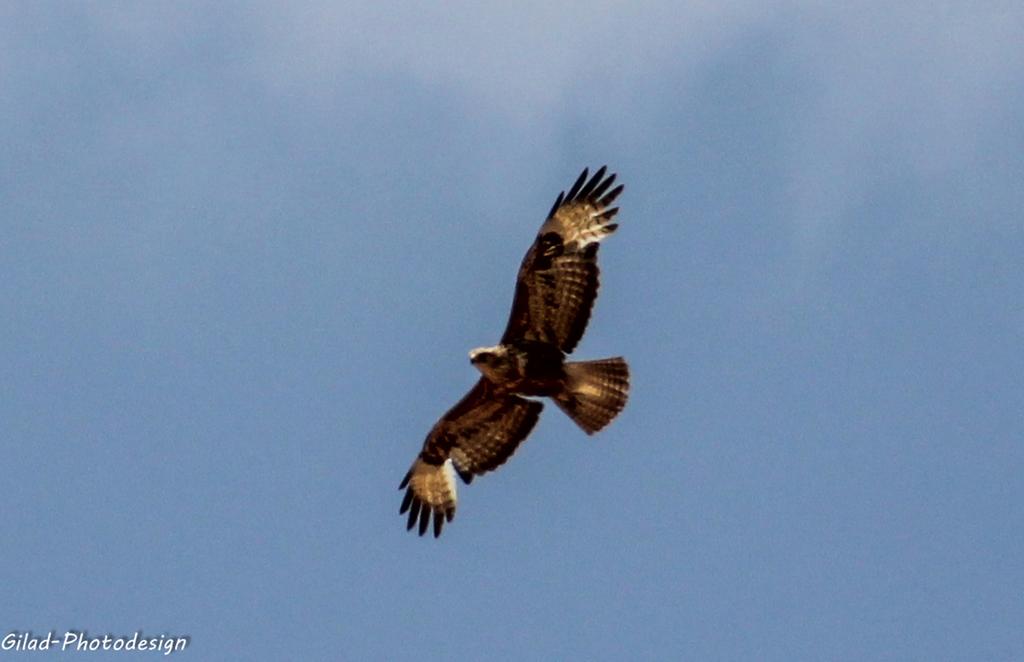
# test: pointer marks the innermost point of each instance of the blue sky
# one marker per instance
(245, 250)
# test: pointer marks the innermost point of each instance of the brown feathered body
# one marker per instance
(590, 392)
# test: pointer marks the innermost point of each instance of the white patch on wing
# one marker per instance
(593, 232)
(434, 485)
(582, 225)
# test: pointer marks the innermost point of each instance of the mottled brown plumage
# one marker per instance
(555, 292)
(558, 279)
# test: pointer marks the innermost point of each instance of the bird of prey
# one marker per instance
(554, 294)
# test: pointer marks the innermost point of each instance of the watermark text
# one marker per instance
(79, 640)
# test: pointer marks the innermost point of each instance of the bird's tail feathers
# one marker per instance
(595, 392)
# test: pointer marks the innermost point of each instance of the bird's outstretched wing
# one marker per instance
(475, 436)
(558, 279)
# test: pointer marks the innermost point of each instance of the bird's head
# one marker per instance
(491, 361)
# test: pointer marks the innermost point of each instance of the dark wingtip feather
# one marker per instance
(558, 203)
(414, 513)
(571, 195)
(449, 514)
(603, 186)
(438, 523)
(424, 519)
(610, 198)
(406, 502)
(588, 189)
(405, 481)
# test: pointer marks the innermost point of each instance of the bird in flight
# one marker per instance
(555, 291)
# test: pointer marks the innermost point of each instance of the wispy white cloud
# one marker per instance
(875, 62)
(916, 87)
(521, 61)
(901, 91)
